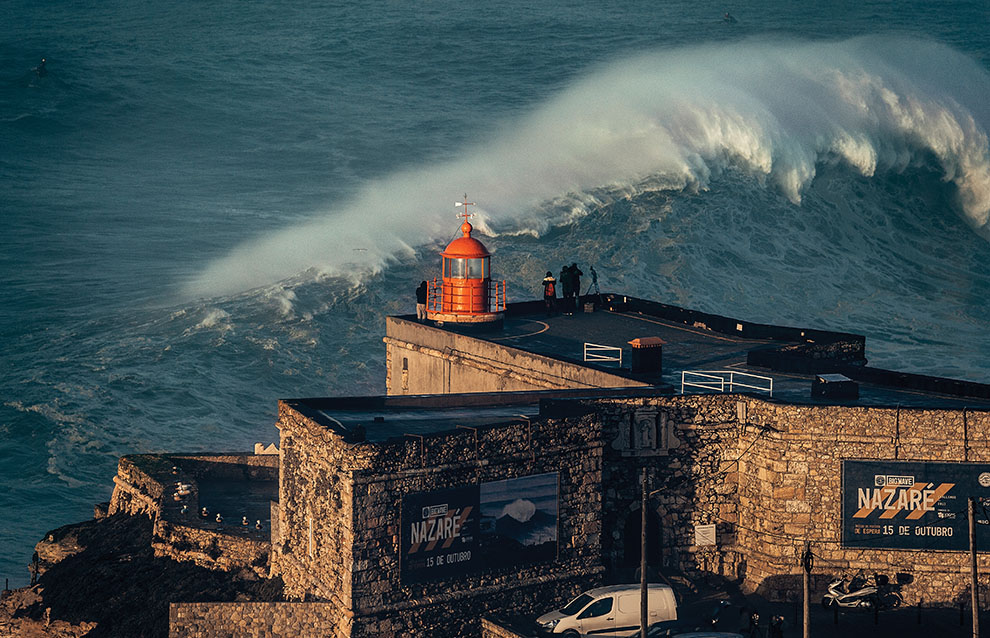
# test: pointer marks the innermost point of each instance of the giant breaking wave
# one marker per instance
(671, 119)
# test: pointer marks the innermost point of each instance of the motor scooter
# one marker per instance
(857, 594)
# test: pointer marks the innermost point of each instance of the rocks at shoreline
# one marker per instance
(101, 578)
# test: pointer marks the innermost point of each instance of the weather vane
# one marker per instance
(465, 204)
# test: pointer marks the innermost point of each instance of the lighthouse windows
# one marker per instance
(466, 268)
(476, 268)
(455, 268)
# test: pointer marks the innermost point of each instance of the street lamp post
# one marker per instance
(642, 561)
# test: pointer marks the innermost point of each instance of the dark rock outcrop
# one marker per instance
(101, 576)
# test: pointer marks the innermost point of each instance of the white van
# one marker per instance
(610, 611)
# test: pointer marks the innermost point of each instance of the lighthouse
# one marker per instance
(466, 293)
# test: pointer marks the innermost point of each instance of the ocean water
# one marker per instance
(209, 206)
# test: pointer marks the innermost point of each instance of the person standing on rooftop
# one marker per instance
(576, 273)
(550, 293)
(566, 289)
(421, 301)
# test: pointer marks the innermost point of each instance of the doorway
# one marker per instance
(632, 540)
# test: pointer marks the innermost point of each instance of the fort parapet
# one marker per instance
(765, 472)
(227, 484)
(502, 472)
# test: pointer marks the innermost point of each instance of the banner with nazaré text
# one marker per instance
(491, 525)
(914, 505)
(439, 533)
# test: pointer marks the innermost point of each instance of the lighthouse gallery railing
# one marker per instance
(493, 301)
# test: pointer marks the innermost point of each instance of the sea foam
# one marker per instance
(670, 120)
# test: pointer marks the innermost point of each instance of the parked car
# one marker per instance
(610, 611)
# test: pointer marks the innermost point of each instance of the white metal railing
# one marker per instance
(719, 380)
(596, 352)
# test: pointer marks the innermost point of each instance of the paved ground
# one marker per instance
(936, 623)
(235, 499)
(905, 622)
(908, 621)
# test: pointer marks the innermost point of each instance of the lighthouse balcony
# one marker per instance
(466, 301)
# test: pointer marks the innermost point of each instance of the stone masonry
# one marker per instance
(766, 474)
(144, 485)
(340, 505)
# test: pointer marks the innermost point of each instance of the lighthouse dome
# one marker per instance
(466, 246)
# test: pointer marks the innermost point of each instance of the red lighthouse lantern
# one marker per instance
(466, 293)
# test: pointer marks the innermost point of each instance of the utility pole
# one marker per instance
(808, 561)
(642, 562)
(974, 582)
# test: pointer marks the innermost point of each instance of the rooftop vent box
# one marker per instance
(647, 355)
(834, 386)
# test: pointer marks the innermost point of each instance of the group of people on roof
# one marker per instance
(570, 285)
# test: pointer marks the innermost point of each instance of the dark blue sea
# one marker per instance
(207, 206)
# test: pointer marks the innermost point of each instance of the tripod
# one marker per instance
(594, 285)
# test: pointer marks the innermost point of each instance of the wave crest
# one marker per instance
(665, 120)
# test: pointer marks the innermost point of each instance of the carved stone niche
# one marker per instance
(647, 432)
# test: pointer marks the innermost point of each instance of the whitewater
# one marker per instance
(670, 120)
(203, 215)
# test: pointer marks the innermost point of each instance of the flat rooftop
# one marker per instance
(385, 417)
(686, 348)
(698, 342)
(707, 353)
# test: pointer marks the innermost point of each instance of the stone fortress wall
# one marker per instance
(249, 620)
(790, 486)
(353, 494)
(145, 484)
(313, 553)
(767, 474)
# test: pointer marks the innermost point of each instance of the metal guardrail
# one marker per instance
(597, 352)
(496, 293)
(465, 298)
(719, 380)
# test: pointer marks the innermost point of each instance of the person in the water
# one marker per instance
(40, 69)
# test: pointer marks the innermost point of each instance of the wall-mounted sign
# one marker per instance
(704, 535)
(488, 526)
(519, 520)
(908, 505)
(439, 533)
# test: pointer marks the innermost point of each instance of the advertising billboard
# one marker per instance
(439, 533)
(519, 520)
(913, 505)
(491, 525)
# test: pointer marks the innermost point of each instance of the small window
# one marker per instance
(457, 268)
(597, 608)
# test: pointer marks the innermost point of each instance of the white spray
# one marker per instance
(672, 120)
